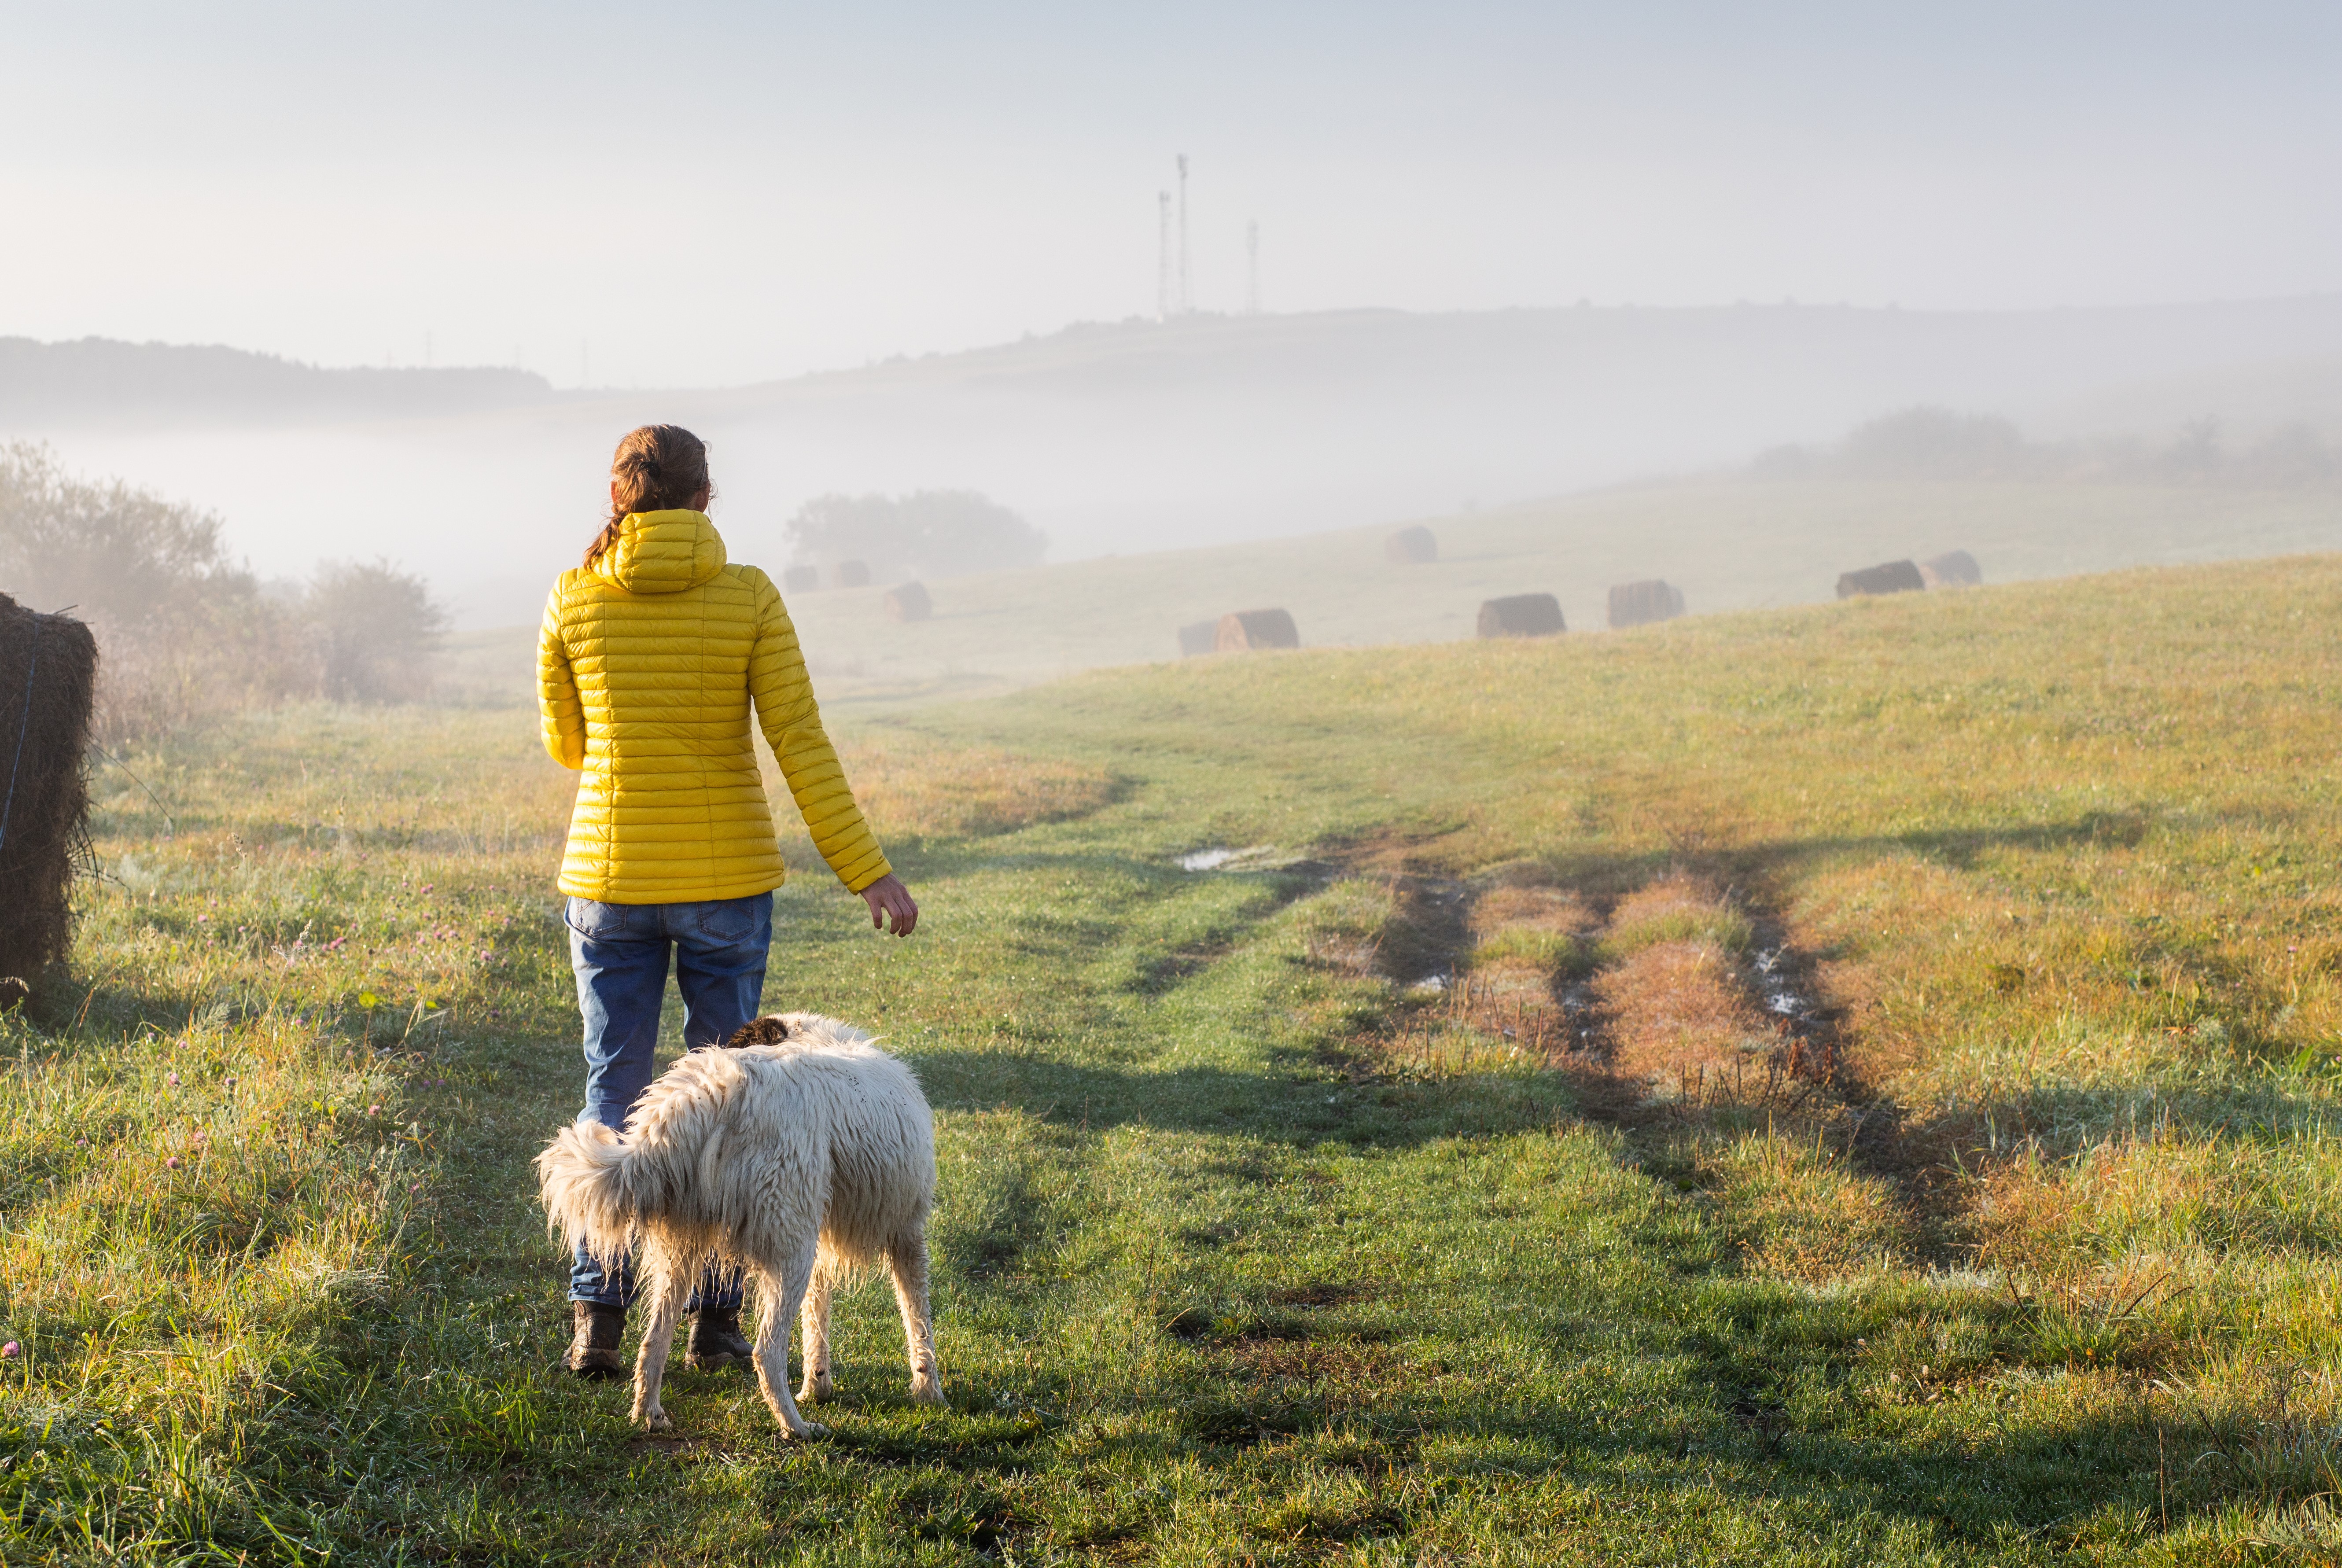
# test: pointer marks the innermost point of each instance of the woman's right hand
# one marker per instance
(889, 899)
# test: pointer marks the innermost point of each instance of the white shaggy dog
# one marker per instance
(800, 1153)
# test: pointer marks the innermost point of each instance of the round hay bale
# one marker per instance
(1644, 604)
(1411, 547)
(1521, 615)
(800, 579)
(1243, 629)
(48, 675)
(1894, 578)
(907, 602)
(851, 574)
(1198, 637)
(1953, 569)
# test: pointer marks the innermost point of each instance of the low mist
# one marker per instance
(1196, 432)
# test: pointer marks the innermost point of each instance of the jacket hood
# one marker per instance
(662, 553)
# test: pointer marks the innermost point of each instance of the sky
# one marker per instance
(697, 194)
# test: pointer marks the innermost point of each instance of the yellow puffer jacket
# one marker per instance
(646, 670)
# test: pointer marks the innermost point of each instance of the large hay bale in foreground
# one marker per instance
(1411, 547)
(1521, 615)
(1953, 569)
(907, 602)
(1644, 604)
(48, 673)
(851, 574)
(1243, 629)
(1198, 637)
(800, 579)
(1894, 578)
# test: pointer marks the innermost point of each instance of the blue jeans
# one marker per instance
(620, 954)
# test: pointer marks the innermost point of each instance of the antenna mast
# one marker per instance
(1187, 295)
(1162, 255)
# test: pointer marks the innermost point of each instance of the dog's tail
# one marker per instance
(584, 1178)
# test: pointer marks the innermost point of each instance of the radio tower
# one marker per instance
(1187, 295)
(1163, 257)
(1252, 267)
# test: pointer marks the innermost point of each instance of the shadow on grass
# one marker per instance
(1769, 1401)
(1301, 1112)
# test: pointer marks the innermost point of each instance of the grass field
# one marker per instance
(1728, 543)
(1848, 1084)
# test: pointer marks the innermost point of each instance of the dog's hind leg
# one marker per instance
(784, 1292)
(670, 1274)
(906, 1263)
(813, 1336)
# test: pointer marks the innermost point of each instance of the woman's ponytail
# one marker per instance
(656, 468)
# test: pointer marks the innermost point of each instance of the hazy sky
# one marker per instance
(710, 193)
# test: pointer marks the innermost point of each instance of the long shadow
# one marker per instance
(1276, 1365)
(1958, 848)
(1299, 1111)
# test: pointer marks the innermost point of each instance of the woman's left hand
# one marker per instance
(889, 899)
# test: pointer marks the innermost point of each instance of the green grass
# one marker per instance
(1250, 1248)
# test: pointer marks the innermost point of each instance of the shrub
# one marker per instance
(185, 632)
(928, 533)
(375, 627)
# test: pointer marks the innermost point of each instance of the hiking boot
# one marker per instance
(594, 1353)
(716, 1342)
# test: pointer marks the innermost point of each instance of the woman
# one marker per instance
(652, 655)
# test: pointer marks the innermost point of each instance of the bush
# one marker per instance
(375, 627)
(185, 632)
(929, 533)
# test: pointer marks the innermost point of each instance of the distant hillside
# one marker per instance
(1727, 545)
(97, 381)
(1203, 430)
(1927, 445)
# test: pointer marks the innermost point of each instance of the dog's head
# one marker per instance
(770, 1030)
(807, 1031)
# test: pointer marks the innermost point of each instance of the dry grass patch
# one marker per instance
(1676, 908)
(1805, 1212)
(1528, 939)
(909, 787)
(1680, 1016)
(2161, 1193)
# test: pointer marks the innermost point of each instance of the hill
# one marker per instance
(1149, 436)
(50, 388)
(1849, 1084)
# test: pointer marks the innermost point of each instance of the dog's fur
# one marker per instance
(801, 1155)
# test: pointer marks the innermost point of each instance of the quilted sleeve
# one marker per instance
(559, 714)
(792, 726)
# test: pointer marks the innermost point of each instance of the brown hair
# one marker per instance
(659, 468)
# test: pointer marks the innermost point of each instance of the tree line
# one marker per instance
(185, 630)
(1935, 444)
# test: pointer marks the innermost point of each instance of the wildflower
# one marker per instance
(368, 999)
(171, 1078)
(375, 1110)
(173, 1163)
(484, 954)
(200, 919)
(426, 887)
(11, 1351)
(229, 1082)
